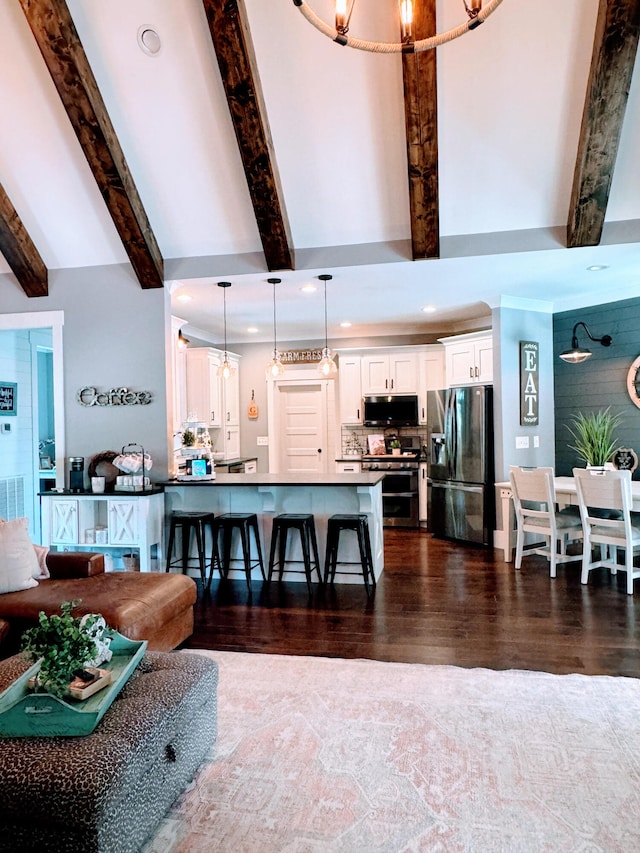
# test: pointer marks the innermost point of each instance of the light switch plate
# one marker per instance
(522, 442)
(262, 441)
(5, 427)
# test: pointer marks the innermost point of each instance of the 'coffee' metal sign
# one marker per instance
(114, 397)
(529, 393)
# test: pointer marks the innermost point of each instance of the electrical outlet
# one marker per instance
(262, 441)
(522, 442)
(536, 441)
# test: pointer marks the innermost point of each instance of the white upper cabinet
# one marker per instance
(211, 399)
(230, 393)
(350, 389)
(203, 386)
(469, 359)
(431, 373)
(390, 373)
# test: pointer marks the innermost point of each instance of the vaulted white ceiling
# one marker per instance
(510, 102)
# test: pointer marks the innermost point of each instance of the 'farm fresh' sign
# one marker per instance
(529, 395)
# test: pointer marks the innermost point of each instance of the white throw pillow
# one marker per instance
(18, 561)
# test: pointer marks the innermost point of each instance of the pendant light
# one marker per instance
(326, 366)
(225, 370)
(275, 368)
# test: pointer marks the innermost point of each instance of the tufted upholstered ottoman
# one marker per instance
(106, 792)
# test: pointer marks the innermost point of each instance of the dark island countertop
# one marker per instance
(371, 478)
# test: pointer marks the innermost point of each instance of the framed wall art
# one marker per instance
(8, 399)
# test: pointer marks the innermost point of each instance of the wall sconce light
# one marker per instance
(275, 368)
(182, 341)
(576, 354)
(225, 370)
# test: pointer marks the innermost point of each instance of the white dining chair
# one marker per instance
(602, 493)
(536, 511)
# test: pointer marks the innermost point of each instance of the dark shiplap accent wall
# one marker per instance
(600, 381)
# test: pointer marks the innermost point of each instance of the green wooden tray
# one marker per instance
(27, 714)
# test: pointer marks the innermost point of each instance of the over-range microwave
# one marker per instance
(391, 410)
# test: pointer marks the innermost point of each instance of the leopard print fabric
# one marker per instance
(107, 791)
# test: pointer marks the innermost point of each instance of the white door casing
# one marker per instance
(302, 418)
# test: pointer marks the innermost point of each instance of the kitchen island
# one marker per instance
(271, 494)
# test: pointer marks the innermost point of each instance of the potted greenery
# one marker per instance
(188, 438)
(395, 446)
(64, 644)
(594, 436)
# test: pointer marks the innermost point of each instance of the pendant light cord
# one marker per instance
(275, 347)
(326, 337)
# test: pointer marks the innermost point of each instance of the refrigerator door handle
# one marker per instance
(459, 488)
(453, 456)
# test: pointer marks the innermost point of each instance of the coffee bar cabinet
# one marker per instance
(109, 523)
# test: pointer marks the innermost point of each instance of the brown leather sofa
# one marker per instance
(150, 606)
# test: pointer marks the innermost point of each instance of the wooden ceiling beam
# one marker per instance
(57, 38)
(20, 252)
(234, 50)
(614, 51)
(421, 124)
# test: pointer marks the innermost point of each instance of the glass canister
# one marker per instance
(76, 473)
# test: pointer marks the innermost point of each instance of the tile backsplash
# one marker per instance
(354, 438)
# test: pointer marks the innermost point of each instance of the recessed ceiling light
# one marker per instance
(149, 41)
(597, 267)
(308, 288)
(252, 330)
(429, 309)
(184, 297)
(345, 325)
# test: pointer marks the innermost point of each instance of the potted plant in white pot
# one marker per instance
(594, 437)
(64, 644)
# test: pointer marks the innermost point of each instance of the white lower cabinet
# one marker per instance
(106, 523)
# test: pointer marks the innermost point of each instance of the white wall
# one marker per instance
(510, 326)
(16, 446)
(114, 336)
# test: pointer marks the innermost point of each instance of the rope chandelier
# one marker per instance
(476, 14)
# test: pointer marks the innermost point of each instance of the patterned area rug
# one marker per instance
(316, 755)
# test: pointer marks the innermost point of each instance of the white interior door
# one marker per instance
(301, 422)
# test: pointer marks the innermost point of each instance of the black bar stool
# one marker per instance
(305, 525)
(196, 523)
(360, 524)
(243, 522)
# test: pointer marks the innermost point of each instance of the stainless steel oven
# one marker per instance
(399, 487)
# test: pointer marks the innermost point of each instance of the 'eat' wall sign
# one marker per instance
(529, 396)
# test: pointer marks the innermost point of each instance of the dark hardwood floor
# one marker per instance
(441, 603)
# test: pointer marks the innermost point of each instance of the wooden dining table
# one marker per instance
(566, 495)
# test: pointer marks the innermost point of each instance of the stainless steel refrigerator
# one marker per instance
(461, 466)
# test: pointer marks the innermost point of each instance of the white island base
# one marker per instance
(271, 494)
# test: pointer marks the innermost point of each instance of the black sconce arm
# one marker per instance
(605, 340)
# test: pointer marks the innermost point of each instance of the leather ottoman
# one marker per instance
(106, 792)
